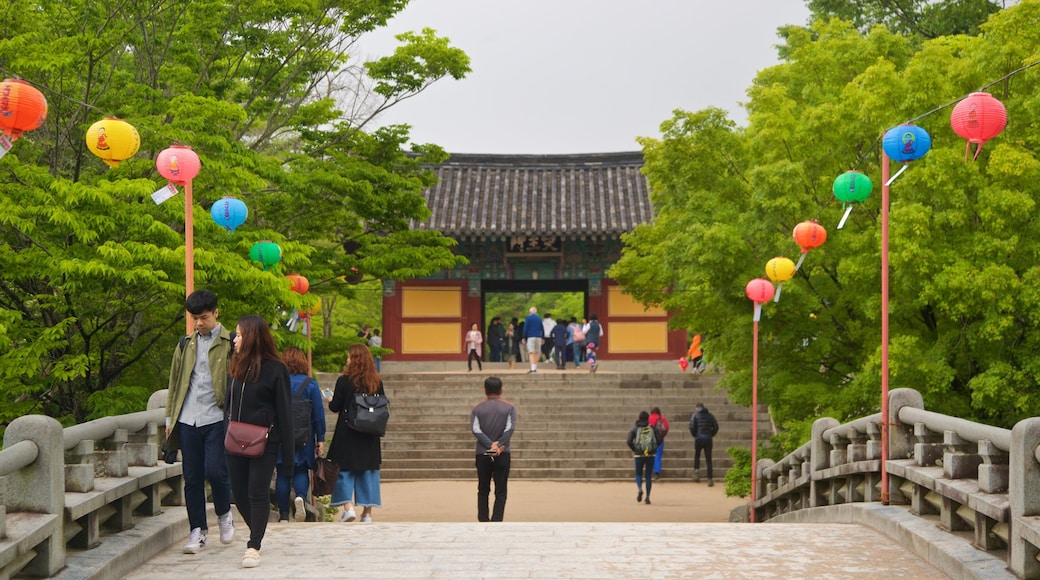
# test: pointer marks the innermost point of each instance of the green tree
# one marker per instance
(269, 96)
(924, 18)
(963, 239)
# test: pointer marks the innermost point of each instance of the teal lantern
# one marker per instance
(266, 252)
(851, 187)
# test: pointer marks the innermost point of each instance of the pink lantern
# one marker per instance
(178, 163)
(759, 290)
(978, 118)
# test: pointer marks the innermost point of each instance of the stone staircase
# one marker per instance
(571, 425)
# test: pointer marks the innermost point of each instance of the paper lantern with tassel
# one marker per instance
(779, 270)
(229, 212)
(22, 108)
(178, 163)
(906, 143)
(266, 252)
(808, 235)
(113, 140)
(978, 118)
(851, 187)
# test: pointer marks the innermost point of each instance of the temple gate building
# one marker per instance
(529, 223)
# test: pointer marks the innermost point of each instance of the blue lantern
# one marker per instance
(230, 213)
(906, 143)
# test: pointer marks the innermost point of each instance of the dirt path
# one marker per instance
(551, 501)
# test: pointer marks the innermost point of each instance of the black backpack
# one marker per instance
(301, 415)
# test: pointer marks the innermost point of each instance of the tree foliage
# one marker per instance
(923, 18)
(963, 240)
(267, 92)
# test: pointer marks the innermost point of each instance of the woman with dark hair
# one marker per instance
(357, 454)
(258, 394)
(297, 474)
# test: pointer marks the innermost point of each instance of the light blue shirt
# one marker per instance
(200, 403)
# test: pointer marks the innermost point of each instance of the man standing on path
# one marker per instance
(195, 418)
(493, 422)
(532, 337)
(703, 427)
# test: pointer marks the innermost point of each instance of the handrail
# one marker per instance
(104, 427)
(857, 424)
(18, 456)
(965, 429)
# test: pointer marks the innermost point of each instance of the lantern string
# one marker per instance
(779, 287)
(897, 174)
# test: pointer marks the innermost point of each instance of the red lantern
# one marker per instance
(298, 283)
(178, 163)
(759, 290)
(22, 108)
(978, 118)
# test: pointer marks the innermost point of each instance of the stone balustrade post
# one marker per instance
(820, 458)
(901, 438)
(40, 488)
(1024, 498)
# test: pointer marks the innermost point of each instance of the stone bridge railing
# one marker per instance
(65, 490)
(970, 480)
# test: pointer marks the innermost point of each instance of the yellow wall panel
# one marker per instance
(431, 302)
(431, 337)
(619, 304)
(645, 337)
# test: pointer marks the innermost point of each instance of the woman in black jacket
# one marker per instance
(259, 394)
(357, 454)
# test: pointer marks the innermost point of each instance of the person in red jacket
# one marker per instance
(658, 421)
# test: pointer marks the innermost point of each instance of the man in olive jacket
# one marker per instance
(195, 418)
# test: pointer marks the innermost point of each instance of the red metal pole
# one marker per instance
(310, 367)
(884, 326)
(754, 412)
(189, 250)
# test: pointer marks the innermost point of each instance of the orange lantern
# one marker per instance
(298, 283)
(808, 235)
(22, 108)
(978, 118)
(178, 163)
(113, 140)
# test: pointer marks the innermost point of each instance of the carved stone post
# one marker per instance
(820, 460)
(40, 488)
(1024, 497)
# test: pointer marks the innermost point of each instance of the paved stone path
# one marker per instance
(549, 550)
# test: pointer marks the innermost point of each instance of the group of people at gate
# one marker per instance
(535, 339)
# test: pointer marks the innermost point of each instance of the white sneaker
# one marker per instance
(227, 528)
(196, 541)
(251, 559)
(348, 516)
(366, 519)
(301, 512)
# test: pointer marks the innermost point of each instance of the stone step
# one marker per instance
(570, 425)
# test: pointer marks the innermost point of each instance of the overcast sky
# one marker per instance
(583, 76)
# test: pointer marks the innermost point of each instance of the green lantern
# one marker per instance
(266, 252)
(851, 187)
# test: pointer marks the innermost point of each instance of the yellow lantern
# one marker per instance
(316, 309)
(780, 269)
(113, 140)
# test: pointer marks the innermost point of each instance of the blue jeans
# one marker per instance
(202, 458)
(364, 485)
(301, 484)
(577, 348)
(644, 465)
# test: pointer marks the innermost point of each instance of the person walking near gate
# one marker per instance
(643, 440)
(703, 427)
(493, 423)
(532, 337)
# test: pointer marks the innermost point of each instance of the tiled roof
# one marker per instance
(547, 195)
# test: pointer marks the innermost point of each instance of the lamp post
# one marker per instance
(885, 187)
(179, 164)
(758, 290)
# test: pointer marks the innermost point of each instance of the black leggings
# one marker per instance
(250, 488)
(473, 355)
